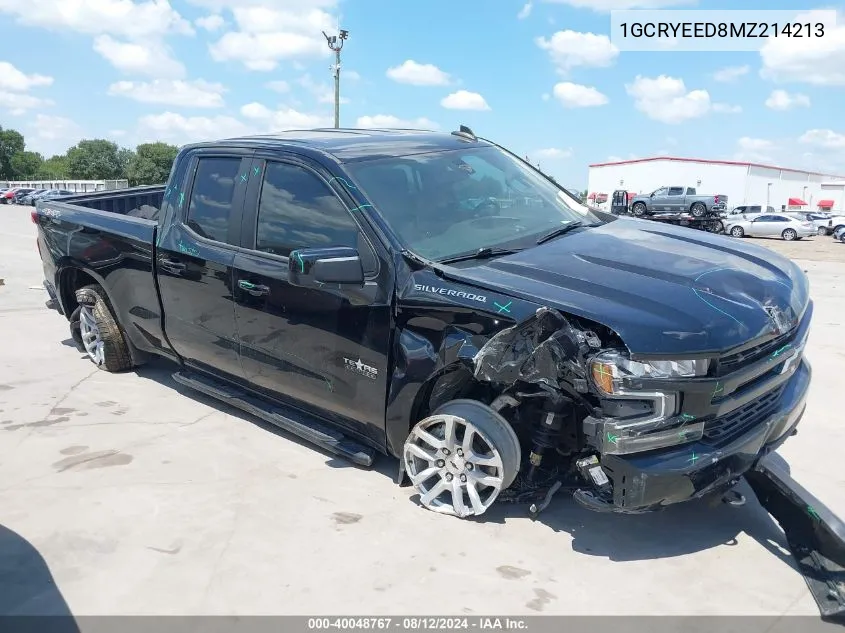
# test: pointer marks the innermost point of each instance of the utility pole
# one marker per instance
(335, 43)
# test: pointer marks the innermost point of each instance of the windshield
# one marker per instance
(449, 203)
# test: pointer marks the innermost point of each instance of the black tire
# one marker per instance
(495, 427)
(116, 356)
(698, 209)
(789, 235)
(639, 209)
(737, 231)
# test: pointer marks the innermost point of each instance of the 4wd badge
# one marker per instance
(361, 368)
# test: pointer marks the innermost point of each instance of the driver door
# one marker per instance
(763, 226)
(322, 349)
(660, 200)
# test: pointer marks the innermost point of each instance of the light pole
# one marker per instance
(335, 43)
(768, 195)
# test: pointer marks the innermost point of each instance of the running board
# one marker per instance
(303, 425)
(815, 535)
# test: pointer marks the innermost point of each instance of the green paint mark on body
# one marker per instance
(686, 417)
(693, 458)
(781, 350)
(363, 206)
(244, 177)
(719, 389)
(613, 439)
(181, 198)
(256, 170)
(301, 263)
(504, 308)
(812, 512)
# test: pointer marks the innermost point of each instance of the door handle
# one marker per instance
(172, 266)
(255, 290)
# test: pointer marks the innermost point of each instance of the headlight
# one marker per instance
(609, 370)
(661, 426)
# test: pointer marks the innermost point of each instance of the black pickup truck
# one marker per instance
(435, 298)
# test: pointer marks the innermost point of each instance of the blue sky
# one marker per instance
(541, 77)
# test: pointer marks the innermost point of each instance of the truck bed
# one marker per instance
(110, 237)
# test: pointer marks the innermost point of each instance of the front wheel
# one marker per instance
(638, 209)
(94, 327)
(698, 209)
(789, 235)
(737, 231)
(461, 457)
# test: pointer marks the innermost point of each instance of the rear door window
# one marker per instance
(210, 206)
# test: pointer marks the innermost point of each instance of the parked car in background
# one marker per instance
(7, 197)
(835, 222)
(839, 234)
(29, 197)
(678, 200)
(819, 220)
(751, 209)
(20, 193)
(49, 194)
(780, 225)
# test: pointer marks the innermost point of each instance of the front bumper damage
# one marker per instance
(814, 534)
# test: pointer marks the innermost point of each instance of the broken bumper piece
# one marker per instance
(648, 481)
(815, 535)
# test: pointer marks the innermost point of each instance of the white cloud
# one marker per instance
(53, 134)
(731, 73)
(14, 88)
(782, 100)
(351, 75)
(278, 86)
(322, 92)
(666, 99)
(619, 5)
(525, 11)
(264, 35)
(179, 129)
(570, 49)
(150, 58)
(120, 18)
(812, 60)
(187, 94)
(416, 74)
(755, 150)
(390, 121)
(17, 81)
(824, 139)
(210, 23)
(553, 153)
(284, 118)
(18, 103)
(577, 96)
(726, 108)
(464, 100)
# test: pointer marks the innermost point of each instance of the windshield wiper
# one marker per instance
(485, 252)
(574, 224)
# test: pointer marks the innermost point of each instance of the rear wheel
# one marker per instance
(95, 329)
(461, 457)
(737, 231)
(822, 231)
(789, 234)
(698, 209)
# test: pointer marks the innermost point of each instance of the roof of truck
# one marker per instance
(350, 144)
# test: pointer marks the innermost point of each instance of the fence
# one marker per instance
(77, 186)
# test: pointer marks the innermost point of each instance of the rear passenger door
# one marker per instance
(194, 259)
(322, 349)
(675, 199)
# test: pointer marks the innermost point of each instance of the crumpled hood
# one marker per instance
(664, 289)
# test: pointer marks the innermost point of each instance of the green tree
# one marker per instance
(26, 165)
(151, 164)
(11, 143)
(54, 168)
(95, 159)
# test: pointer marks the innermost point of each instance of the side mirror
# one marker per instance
(317, 267)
